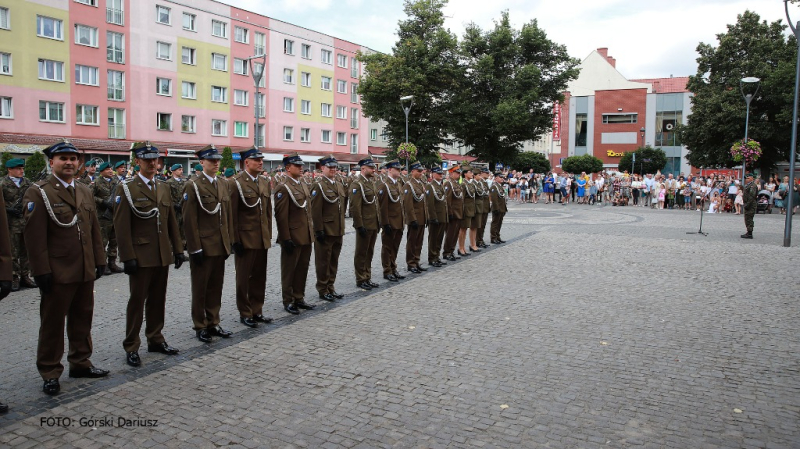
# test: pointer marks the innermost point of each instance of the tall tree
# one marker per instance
(750, 48)
(527, 160)
(586, 163)
(512, 78)
(648, 160)
(423, 63)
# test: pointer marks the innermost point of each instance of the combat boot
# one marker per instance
(27, 282)
(112, 267)
(15, 283)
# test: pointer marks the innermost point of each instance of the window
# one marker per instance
(219, 127)
(259, 129)
(5, 64)
(620, 118)
(288, 47)
(341, 60)
(115, 47)
(305, 107)
(189, 55)
(219, 29)
(341, 112)
(305, 51)
(288, 104)
(259, 68)
(288, 76)
(114, 12)
(341, 86)
(240, 129)
(354, 93)
(354, 118)
(305, 79)
(6, 111)
(240, 97)
(49, 28)
(163, 50)
(5, 23)
(325, 110)
(259, 105)
(50, 111)
(384, 135)
(325, 82)
(288, 133)
(85, 35)
(353, 143)
(116, 85)
(325, 56)
(87, 75)
(188, 90)
(581, 125)
(341, 138)
(260, 44)
(305, 135)
(373, 134)
(189, 23)
(219, 62)
(51, 70)
(163, 121)
(116, 123)
(88, 2)
(239, 66)
(219, 94)
(164, 86)
(241, 35)
(353, 68)
(666, 122)
(326, 136)
(188, 124)
(162, 15)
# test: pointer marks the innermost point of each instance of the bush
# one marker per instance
(527, 160)
(3, 159)
(34, 165)
(586, 163)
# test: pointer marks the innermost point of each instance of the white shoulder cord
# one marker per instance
(53, 215)
(438, 198)
(389, 193)
(154, 212)
(466, 187)
(322, 193)
(500, 192)
(364, 196)
(291, 195)
(241, 194)
(414, 192)
(454, 190)
(200, 202)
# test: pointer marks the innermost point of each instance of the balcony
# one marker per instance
(116, 131)
(115, 16)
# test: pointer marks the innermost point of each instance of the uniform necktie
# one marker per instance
(152, 185)
(71, 191)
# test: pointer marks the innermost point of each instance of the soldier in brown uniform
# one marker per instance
(483, 204)
(149, 240)
(416, 213)
(365, 212)
(5, 267)
(468, 221)
(66, 254)
(208, 223)
(103, 190)
(499, 207)
(437, 217)
(251, 201)
(14, 186)
(390, 194)
(327, 213)
(455, 209)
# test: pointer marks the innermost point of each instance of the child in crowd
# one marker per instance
(739, 202)
(662, 195)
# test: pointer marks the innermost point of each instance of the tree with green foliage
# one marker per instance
(648, 160)
(227, 160)
(527, 160)
(586, 163)
(34, 165)
(424, 64)
(750, 48)
(511, 79)
(5, 157)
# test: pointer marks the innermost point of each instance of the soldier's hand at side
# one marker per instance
(177, 208)
(238, 249)
(451, 217)
(131, 266)
(320, 235)
(362, 231)
(45, 282)
(414, 225)
(197, 258)
(288, 246)
(387, 229)
(98, 271)
(180, 258)
(5, 289)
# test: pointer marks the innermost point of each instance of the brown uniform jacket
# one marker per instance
(498, 195)
(151, 241)
(455, 198)
(328, 216)
(6, 267)
(437, 202)
(415, 210)
(252, 225)
(482, 204)
(391, 211)
(294, 223)
(208, 232)
(70, 254)
(470, 198)
(364, 203)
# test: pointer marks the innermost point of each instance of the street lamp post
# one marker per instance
(747, 99)
(407, 109)
(258, 74)
(787, 229)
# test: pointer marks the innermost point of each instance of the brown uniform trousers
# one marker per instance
(71, 255)
(455, 208)
(294, 223)
(211, 234)
(365, 211)
(437, 210)
(102, 191)
(6, 266)
(415, 208)
(390, 200)
(483, 206)
(499, 209)
(327, 213)
(252, 216)
(469, 219)
(152, 242)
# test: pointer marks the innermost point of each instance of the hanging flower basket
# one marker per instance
(407, 151)
(748, 151)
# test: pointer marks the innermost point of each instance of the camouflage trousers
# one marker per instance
(749, 214)
(19, 254)
(109, 239)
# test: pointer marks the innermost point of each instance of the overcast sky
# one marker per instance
(649, 38)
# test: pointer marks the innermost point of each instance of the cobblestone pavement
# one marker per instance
(592, 327)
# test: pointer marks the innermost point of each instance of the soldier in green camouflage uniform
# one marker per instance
(88, 176)
(14, 186)
(175, 183)
(750, 204)
(103, 190)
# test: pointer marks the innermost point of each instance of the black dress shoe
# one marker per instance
(204, 336)
(327, 297)
(51, 387)
(373, 285)
(475, 250)
(463, 254)
(262, 319)
(92, 372)
(421, 268)
(3, 408)
(441, 262)
(494, 241)
(247, 321)
(133, 358)
(219, 332)
(390, 277)
(413, 270)
(451, 257)
(500, 241)
(398, 275)
(305, 306)
(291, 308)
(434, 264)
(163, 348)
(337, 295)
(364, 286)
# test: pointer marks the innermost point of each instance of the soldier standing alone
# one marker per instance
(14, 187)
(750, 205)
(499, 207)
(327, 214)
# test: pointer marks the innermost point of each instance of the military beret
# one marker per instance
(229, 172)
(198, 167)
(103, 166)
(15, 163)
(176, 167)
(135, 168)
(90, 163)
(120, 164)
(750, 175)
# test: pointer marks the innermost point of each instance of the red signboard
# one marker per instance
(556, 121)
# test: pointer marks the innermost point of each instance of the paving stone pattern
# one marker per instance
(593, 327)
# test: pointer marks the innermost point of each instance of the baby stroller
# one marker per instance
(764, 202)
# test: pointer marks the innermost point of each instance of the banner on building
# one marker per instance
(556, 121)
